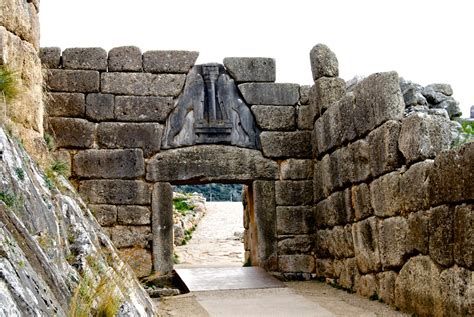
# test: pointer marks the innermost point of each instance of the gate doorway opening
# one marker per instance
(213, 230)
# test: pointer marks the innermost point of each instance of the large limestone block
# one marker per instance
(384, 154)
(346, 108)
(63, 104)
(296, 169)
(67, 80)
(251, 69)
(106, 215)
(169, 61)
(276, 118)
(414, 186)
(295, 220)
(367, 285)
(361, 201)
(296, 263)
(417, 288)
(295, 244)
(21, 18)
(365, 235)
(392, 242)
(324, 268)
(340, 243)
(326, 92)
(305, 117)
(450, 179)
(211, 163)
(323, 62)
(162, 224)
(131, 236)
(88, 58)
(386, 287)
(123, 164)
(116, 135)
(120, 192)
(457, 292)
(347, 273)
(143, 108)
(418, 234)
(304, 94)
(142, 84)
(294, 193)
(72, 133)
(423, 137)
(50, 57)
(125, 59)
(377, 99)
(100, 107)
(442, 234)
(333, 127)
(360, 162)
(270, 93)
(286, 144)
(385, 195)
(335, 210)
(464, 236)
(139, 260)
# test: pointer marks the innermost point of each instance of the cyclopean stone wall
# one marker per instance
(393, 205)
(19, 46)
(109, 110)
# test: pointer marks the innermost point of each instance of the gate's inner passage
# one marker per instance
(218, 237)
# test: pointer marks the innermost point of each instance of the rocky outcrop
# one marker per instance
(188, 210)
(55, 258)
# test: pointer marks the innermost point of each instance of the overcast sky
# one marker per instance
(424, 41)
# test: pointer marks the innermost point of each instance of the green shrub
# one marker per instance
(60, 167)
(8, 199)
(468, 127)
(8, 82)
(20, 173)
(48, 138)
(182, 206)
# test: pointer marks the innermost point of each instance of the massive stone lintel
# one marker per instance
(210, 163)
(210, 111)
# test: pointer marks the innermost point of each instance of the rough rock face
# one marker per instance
(51, 246)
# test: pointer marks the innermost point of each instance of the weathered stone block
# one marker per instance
(383, 143)
(63, 104)
(106, 215)
(340, 244)
(335, 210)
(139, 260)
(305, 117)
(270, 93)
(348, 274)
(131, 236)
(295, 169)
(50, 57)
(423, 137)
(125, 59)
(335, 166)
(386, 287)
(414, 186)
(366, 245)
(326, 92)
(417, 287)
(120, 192)
(464, 236)
(169, 61)
(251, 69)
(21, 18)
(346, 165)
(100, 107)
(87, 58)
(318, 191)
(318, 138)
(442, 235)
(296, 263)
(321, 245)
(304, 94)
(450, 179)
(323, 62)
(162, 224)
(361, 201)
(211, 163)
(124, 164)
(295, 220)
(72, 133)
(367, 285)
(295, 244)
(334, 130)
(142, 84)
(392, 242)
(418, 236)
(265, 221)
(65, 80)
(457, 292)
(142, 108)
(360, 163)
(133, 215)
(324, 268)
(385, 195)
(346, 109)
(294, 193)
(277, 118)
(146, 136)
(286, 144)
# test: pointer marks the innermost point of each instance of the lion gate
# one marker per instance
(133, 124)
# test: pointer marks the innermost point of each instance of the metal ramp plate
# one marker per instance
(226, 278)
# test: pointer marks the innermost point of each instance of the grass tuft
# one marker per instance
(8, 82)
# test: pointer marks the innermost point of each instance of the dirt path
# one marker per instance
(217, 238)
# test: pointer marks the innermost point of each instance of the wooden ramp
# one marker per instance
(226, 278)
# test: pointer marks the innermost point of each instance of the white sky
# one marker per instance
(425, 41)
